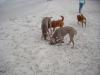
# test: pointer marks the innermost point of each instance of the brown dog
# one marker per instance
(60, 33)
(81, 19)
(57, 23)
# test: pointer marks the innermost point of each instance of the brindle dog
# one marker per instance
(60, 33)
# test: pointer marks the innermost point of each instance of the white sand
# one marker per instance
(23, 52)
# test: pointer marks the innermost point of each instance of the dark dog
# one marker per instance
(44, 26)
(81, 19)
(60, 33)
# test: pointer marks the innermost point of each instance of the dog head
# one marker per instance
(79, 17)
(52, 41)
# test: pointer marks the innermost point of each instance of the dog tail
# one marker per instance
(62, 18)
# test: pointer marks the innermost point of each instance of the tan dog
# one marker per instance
(57, 23)
(81, 19)
(60, 33)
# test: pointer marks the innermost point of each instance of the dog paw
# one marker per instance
(72, 47)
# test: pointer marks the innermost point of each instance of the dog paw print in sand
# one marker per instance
(2, 71)
(13, 19)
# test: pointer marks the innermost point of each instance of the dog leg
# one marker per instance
(82, 24)
(85, 23)
(69, 43)
(45, 37)
(72, 42)
(51, 31)
(71, 39)
(60, 38)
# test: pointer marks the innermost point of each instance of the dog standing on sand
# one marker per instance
(57, 23)
(60, 33)
(81, 19)
(46, 24)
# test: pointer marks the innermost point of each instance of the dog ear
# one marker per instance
(61, 15)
